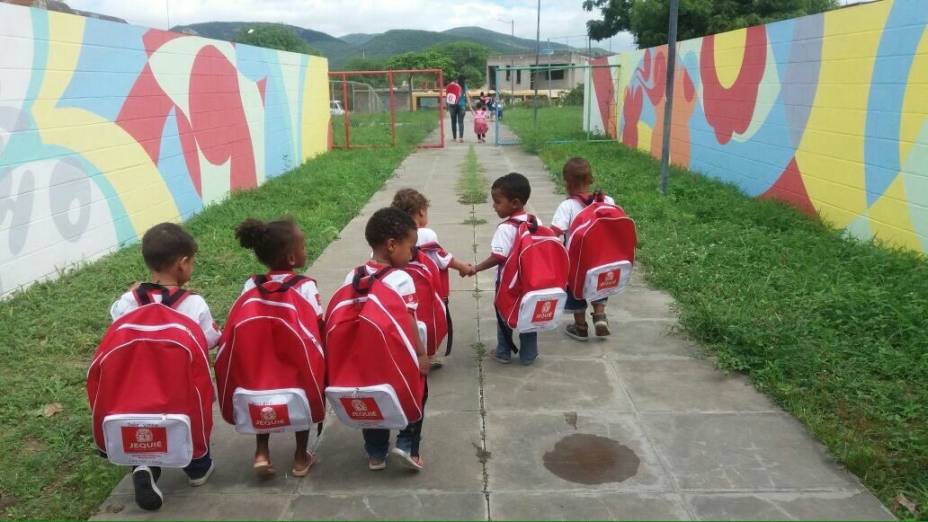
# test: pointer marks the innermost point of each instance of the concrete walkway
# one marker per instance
(637, 426)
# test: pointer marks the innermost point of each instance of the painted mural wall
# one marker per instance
(828, 112)
(107, 129)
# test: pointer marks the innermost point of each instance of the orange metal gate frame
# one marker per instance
(343, 75)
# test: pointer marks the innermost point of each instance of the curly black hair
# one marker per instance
(514, 186)
(271, 241)
(388, 223)
(165, 243)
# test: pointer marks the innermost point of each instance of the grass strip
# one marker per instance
(472, 185)
(835, 330)
(49, 332)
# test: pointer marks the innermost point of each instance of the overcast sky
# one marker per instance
(562, 21)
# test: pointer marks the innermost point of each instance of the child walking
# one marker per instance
(480, 122)
(510, 194)
(413, 203)
(578, 178)
(391, 234)
(281, 247)
(169, 251)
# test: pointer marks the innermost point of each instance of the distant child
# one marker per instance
(391, 233)
(412, 202)
(169, 251)
(281, 247)
(510, 194)
(578, 177)
(480, 122)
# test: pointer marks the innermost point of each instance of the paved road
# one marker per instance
(638, 426)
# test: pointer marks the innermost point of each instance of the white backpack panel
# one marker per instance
(541, 310)
(145, 439)
(367, 407)
(271, 411)
(605, 280)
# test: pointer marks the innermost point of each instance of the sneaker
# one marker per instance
(577, 332)
(499, 359)
(199, 481)
(147, 494)
(376, 464)
(413, 463)
(601, 324)
(436, 361)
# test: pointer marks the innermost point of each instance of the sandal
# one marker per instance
(263, 468)
(601, 324)
(302, 472)
(578, 332)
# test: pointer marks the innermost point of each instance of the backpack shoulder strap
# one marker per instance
(363, 281)
(144, 291)
(291, 282)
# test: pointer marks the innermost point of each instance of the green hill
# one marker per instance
(382, 45)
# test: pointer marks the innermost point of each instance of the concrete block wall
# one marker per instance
(828, 112)
(107, 129)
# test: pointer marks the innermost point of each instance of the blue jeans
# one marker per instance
(528, 343)
(377, 441)
(457, 120)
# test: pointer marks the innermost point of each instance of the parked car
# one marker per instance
(335, 107)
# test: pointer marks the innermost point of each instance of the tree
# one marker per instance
(274, 37)
(647, 19)
(467, 58)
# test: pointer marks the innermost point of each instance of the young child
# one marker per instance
(391, 233)
(169, 251)
(480, 122)
(412, 202)
(281, 247)
(578, 177)
(510, 194)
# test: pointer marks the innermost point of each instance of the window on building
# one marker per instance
(508, 74)
(558, 74)
(519, 76)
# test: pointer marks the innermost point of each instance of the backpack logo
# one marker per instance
(265, 416)
(361, 408)
(150, 439)
(544, 311)
(608, 279)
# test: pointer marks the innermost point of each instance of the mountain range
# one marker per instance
(382, 45)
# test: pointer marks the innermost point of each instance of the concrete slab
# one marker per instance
(518, 443)
(747, 451)
(554, 505)
(688, 385)
(840, 505)
(648, 339)
(400, 505)
(203, 506)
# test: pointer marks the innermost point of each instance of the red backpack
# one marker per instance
(373, 371)
(149, 385)
(601, 246)
(270, 369)
(431, 309)
(444, 290)
(531, 295)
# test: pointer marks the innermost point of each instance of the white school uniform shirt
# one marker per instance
(505, 236)
(306, 289)
(427, 236)
(193, 306)
(397, 279)
(567, 211)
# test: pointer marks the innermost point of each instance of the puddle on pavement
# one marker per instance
(591, 459)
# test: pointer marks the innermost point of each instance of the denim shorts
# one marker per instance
(578, 305)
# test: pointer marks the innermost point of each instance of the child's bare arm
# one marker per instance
(464, 269)
(489, 262)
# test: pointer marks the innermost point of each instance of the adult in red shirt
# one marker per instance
(456, 100)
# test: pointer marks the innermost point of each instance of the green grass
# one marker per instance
(834, 330)
(49, 332)
(472, 185)
(374, 129)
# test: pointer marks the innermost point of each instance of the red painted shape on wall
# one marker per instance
(155, 38)
(790, 188)
(144, 113)
(631, 113)
(218, 117)
(659, 78)
(188, 145)
(729, 109)
(605, 94)
(262, 88)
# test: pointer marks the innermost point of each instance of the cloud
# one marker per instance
(562, 21)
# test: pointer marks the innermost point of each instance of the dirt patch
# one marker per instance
(591, 459)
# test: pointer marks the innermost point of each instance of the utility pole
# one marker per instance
(668, 103)
(512, 60)
(534, 73)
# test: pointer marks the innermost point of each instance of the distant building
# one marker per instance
(521, 82)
